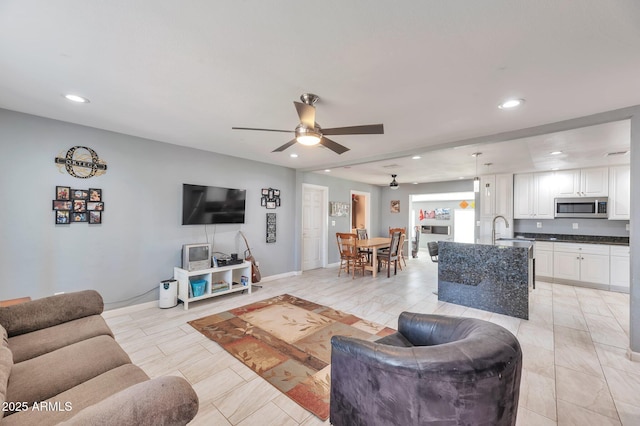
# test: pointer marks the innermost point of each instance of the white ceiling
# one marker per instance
(432, 71)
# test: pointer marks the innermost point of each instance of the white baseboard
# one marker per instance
(129, 309)
(633, 356)
(278, 276)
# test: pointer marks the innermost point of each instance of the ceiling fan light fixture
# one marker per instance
(307, 136)
(394, 184)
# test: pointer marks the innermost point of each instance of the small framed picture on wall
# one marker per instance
(395, 206)
(63, 193)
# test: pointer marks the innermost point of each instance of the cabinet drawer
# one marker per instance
(581, 248)
(620, 251)
(543, 245)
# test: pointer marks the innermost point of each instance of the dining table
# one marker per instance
(374, 244)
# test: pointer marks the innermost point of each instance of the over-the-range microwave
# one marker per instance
(581, 207)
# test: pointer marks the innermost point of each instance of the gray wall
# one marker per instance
(140, 239)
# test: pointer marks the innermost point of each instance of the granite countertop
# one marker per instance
(582, 239)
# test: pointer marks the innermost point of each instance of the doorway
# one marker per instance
(360, 210)
(314, 226)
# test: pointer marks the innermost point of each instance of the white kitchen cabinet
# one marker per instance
(543, 253)
(582, 182)
(585, 263)
(496, 198)
(620, 269)
(619, 205)
(533, 195)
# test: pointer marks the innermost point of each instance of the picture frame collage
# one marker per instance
(78, 205)
(270, 198)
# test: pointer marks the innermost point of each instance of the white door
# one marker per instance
(313, 229)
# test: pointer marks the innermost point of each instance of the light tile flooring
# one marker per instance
(575, 369)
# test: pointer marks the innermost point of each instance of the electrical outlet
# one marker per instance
(627, 226)
(538, 225)
(574, 226)
(333, 223)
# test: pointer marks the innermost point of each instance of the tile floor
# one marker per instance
(575, 369)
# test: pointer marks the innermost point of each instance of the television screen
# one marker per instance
(203, 205)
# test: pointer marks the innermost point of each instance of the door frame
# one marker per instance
(324, 223)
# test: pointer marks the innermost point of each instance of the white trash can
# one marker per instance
(168, 294)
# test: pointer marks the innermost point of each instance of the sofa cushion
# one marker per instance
(6, 362)
(40, 378)
(72, 401)
(36, 343)
(50, 311)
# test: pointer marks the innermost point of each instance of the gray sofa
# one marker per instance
(59, 363)
(435, 370)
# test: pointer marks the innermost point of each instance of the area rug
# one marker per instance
(287, 341)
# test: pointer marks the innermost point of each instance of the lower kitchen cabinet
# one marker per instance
(620, 268)
(544, 260)
(586, 264)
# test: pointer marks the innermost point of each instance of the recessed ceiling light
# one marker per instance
(555, 152)
(294, 155)
(327, 170)
(511, 103)
(76, 98)
(415, 183)
(554, 169)
(416, 157)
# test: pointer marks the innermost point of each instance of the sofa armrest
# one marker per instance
(49, 311)
(167, 400)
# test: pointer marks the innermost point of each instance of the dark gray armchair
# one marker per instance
(434, 370)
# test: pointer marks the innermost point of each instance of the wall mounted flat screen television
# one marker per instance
(204, 205)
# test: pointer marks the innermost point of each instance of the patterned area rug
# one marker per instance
(287, 341)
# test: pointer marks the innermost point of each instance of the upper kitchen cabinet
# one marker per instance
(620, 193)
(582, 182)
(496, 195)
(533, 195)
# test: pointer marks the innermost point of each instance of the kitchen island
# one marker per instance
(492, 277)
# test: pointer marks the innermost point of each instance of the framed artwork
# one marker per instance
(271, 227)
(395, 206)
(95, 217)
(95, 205)
(77, 205)
(337, 208)
(270, 198)
(63, 193)
(79, 217)
(62, 217)
(95, 194)
(79, 194)
(61, 205)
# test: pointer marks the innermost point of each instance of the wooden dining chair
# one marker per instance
(350, 257)
(390, 255)
(403, 232)
(363, 235)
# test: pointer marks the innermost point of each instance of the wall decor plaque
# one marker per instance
(81, 162)
(271, 227)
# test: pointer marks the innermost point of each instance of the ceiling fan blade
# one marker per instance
(369, 129)
(285, 146)
(333, 146)
(263, 130)
(307, 114)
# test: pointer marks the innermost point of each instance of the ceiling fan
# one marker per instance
(308, 132)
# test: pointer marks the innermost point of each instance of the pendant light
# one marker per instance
(476, 180)
(394, 184)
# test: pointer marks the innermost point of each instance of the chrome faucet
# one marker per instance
(493, 227)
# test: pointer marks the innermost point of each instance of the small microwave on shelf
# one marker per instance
(581, 207)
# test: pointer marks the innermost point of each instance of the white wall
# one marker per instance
(140, 239)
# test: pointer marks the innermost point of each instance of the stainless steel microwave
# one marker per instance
(581, 207)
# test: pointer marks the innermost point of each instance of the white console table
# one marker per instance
(221, 280)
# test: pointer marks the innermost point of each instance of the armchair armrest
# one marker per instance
(167, 400)
(49, 311)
